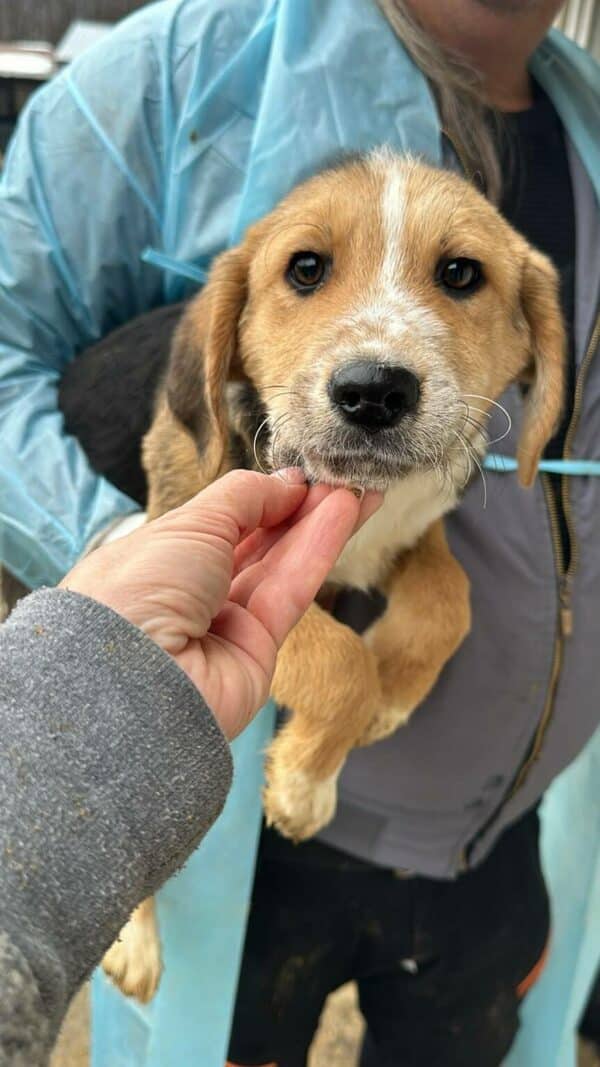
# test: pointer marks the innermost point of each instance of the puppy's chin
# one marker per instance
(350, 470)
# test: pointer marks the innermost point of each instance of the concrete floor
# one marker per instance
(335, 1045)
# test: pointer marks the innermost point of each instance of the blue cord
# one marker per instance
(574, 467)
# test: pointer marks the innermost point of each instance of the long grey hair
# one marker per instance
(466, 116)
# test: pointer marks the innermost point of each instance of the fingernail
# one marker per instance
(291, 475)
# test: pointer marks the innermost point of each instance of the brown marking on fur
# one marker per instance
(539, 297)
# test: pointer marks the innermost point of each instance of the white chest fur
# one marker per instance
(409, 508)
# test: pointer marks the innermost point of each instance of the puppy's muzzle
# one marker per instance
(374, 396)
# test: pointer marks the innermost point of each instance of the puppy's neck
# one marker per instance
(408, 510)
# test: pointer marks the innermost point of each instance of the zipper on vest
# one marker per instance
(563, 629)
(565, 488)
(564, 576)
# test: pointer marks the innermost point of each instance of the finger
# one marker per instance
(238, 503)
(258, 543)
(278, 589)
(255, 547)
(289, 547)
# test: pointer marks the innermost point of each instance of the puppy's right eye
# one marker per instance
(460, 276)
(306, 271)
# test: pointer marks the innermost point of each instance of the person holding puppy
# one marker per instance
(426, 887)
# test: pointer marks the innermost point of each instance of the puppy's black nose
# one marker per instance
(374, 395)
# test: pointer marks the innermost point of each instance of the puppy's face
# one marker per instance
(381, 308)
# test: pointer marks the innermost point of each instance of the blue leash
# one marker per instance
(574, 467)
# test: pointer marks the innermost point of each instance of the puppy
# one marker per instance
(369, 322)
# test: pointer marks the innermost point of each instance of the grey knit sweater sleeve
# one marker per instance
(111, 770)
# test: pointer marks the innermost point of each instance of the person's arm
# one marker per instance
(112, 767)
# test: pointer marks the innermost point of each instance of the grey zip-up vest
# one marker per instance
(522, 696)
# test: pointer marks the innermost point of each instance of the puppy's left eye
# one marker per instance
(306, 271)
(459, 277)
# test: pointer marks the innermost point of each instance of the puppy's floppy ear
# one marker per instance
(546, 371)
(204, 355)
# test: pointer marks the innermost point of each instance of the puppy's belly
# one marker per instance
(409, 508)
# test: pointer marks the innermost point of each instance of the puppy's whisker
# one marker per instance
(475, 460)
(483, 479)
(476, 426)
(480, 411)
(254, 448)
(495, 404)
(477, 430)
(495, 440)
(279, 425)
(469, 464)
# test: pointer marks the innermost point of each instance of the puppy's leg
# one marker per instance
(328, 678)
(133, 961)
(427, 618)
(171, 462)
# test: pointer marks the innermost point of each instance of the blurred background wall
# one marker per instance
(580, 19)
(47, 20)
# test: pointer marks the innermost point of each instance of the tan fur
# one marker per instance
(134, 962)
(385, 223)
(328, 676)
(538, 299)
(171, 453)
(428, 616)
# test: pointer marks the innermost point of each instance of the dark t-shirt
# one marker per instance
(538, 201)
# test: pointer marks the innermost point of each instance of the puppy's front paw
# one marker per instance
(133, 962)
(299, 805)
(385, 722)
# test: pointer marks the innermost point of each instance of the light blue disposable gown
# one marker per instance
(190, 121)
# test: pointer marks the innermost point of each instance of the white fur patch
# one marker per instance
(392, 217)
(391, 312)
(386, 721)
(300, 805)
(408, 510)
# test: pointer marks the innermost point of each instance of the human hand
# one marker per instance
(220, 582)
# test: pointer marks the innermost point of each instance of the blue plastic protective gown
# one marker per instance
(192, 119)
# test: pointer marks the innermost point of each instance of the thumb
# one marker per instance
(241, 502)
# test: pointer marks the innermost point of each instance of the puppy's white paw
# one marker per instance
(134, 962)
(384, 723)
(299, 805)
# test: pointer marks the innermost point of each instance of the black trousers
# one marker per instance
(441, 966)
